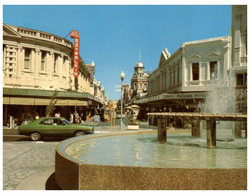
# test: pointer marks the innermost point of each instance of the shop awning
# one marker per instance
(42, 101)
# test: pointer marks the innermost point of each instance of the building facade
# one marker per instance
(139, 81)
(239, 54)
(37, 68)
(181, 81)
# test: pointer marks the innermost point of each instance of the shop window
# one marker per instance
(213, 70)
(27, 58)
(195, 71)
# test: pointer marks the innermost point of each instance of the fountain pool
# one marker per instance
(138, 161)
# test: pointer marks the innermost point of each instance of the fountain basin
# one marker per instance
(87, 163)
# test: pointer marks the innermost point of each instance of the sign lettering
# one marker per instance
(74, 34)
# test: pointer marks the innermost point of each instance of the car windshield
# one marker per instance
(66, 121)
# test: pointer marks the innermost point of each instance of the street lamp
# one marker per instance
(122, 77)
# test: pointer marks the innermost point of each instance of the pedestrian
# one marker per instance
(57, 114)
(71, 117)
(76, 115)
(37, 116)
(81, 117)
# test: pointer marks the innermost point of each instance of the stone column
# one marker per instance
(50, 67)
(21, 57)
(37, 65)
(211, 133)
(237, 131)
(61, 66)
(196, 130)
(162, 132)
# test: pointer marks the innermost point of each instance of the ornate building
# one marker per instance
(139, 81)
(37, 66)
(182, 79)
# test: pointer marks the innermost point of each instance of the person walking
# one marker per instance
(71, 117)
(76, 115)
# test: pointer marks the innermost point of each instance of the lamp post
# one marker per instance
(122, 77)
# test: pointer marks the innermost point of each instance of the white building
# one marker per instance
(37, 65)
(182, 79)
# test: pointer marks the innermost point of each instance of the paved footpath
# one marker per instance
(29, 165)
(23, 159)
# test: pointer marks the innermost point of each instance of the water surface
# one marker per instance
(180, 151)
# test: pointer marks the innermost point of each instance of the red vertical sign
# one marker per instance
(74, 34)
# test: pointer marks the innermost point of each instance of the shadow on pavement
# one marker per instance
(12, 138)
(51, 183)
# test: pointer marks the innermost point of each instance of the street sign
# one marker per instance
(118, 86)
(118, 89)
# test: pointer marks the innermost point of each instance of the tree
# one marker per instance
(51, 107)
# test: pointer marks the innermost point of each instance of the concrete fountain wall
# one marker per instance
(70, 174)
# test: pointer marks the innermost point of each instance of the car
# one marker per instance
(54, 126)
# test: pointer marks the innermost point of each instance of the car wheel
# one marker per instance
(35, 136)
(79, 133)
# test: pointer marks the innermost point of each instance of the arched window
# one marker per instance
(135, 86)
(141, 86)
(145, 86)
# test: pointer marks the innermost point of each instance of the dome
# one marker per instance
(139, 64)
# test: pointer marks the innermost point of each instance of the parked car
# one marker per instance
(54, 126)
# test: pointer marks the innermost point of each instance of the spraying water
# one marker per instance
(221, 99)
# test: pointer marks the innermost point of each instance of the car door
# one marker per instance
(45, 126)
(60, 127)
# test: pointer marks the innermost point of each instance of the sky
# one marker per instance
(113, 35)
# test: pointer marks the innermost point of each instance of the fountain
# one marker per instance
(139, 161)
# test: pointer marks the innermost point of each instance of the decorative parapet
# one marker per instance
(25, 32)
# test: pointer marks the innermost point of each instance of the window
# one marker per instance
(178, 79)
(170, 78)
(55, 67)
(27, 58)
(213, 70)
(135, 86)
(141, 86)
(174, 77)
(145, 86)
(47, 121)
(43, 61)
(241, 79)
(57, 122)
(195, 71)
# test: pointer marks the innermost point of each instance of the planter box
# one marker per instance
(133, 127)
